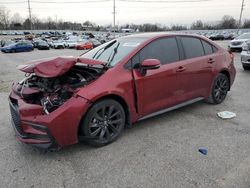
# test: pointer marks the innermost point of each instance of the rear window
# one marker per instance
(192, 47)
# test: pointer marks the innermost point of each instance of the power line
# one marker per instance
(176, 1)
(13, 2)
(99, 1)
(55, 2)
(68, 2)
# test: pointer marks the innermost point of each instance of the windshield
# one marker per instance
(42, 43)
(244, 36)
(114, 51)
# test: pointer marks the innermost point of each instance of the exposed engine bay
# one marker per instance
(52, 92)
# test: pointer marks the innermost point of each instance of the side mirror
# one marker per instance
(149, 64)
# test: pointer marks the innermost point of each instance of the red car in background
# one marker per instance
(92, 98)
(84, 45)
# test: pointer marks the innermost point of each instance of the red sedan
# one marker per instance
(92, 98)
(86, 45)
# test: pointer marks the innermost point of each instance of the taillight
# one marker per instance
(231, 55)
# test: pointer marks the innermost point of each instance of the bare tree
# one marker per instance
(228, 22)
(4, 17)
(246, 24)
(16, 18)
(197, 25)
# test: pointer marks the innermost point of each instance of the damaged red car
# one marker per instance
(91, 98)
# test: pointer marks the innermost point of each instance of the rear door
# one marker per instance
(157, 89)
(19, 47)
(196, 74)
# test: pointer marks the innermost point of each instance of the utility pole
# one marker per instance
(30, 14)
(241, 11)
(114, 12)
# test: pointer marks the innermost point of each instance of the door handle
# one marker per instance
(181, 69)
(211, 60)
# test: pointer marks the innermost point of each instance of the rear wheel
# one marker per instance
(103, 123)
(219, 91)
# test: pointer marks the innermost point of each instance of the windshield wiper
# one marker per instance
(114, 52)
(104, 48)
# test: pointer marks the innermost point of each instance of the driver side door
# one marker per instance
(157, 89)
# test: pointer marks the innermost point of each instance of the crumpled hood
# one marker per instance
(57, 66)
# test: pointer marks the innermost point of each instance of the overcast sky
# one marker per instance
(129, 11)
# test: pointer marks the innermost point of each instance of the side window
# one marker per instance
(165, 50)
(208, 48)
(192, 47)
(136, 61)
(214, 49)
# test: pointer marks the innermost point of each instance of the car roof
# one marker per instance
(158, 34)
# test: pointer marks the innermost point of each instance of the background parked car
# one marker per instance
(84, 45)
(245, 56)
(58, 44)
(18, 47)
(217, 37)
(70, 43)
(95, 42)
(36, 41)
(239, 42)
(6, 43)
(42, 45)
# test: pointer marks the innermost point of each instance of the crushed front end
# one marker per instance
(46, 110)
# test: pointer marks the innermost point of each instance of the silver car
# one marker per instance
(239, 42)
(245, 56)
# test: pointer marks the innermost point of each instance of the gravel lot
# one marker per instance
(158, 152)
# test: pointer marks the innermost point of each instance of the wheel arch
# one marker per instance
(117, 98)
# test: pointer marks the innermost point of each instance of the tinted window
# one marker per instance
(207, 47)
(165, 50)
(214, 49)
(192, 47)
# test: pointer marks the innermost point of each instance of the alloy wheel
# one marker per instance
(221, 88)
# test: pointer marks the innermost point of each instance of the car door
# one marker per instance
(195, 71)
(156, 89)
(21, 47)
(18, 47)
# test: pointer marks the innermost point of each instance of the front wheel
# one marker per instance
(220, 88)
(103, 123)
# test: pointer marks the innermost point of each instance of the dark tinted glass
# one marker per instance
(192, 47)
(207, 47)
(214, 49)
(165, 50)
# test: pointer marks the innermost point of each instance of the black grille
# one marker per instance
(15, 117)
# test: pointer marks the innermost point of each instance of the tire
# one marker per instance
(246, 67)
(103, 123)
(220, 88)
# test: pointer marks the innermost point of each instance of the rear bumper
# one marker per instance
(235, 47)
(47, 131)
